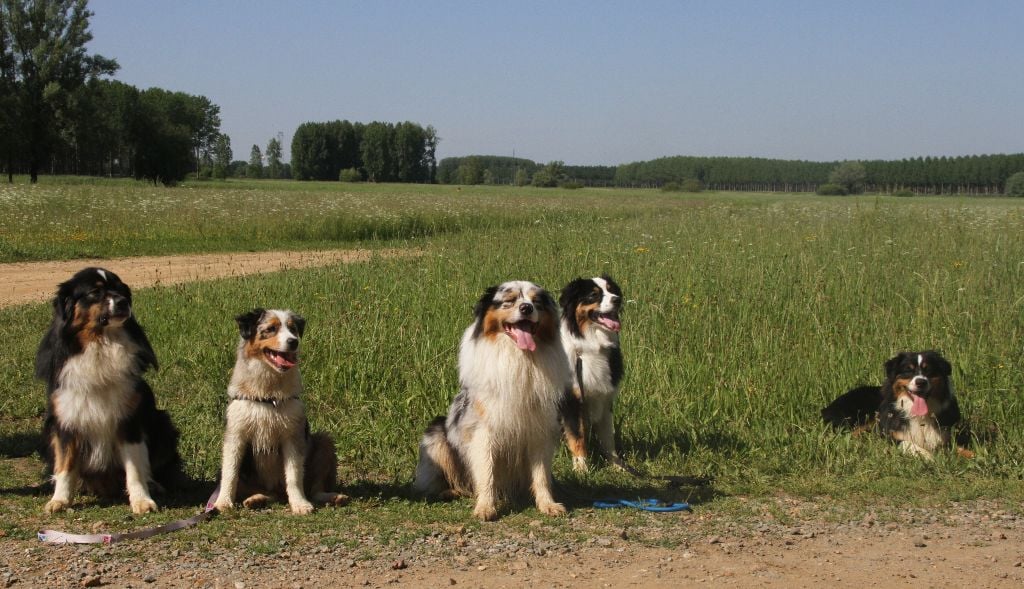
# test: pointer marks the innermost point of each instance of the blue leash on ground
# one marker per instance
(655, 505)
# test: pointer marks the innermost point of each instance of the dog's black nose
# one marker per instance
(920, 382)
(526, 309)
(292, 343)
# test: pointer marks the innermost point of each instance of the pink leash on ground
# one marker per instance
(54, 537)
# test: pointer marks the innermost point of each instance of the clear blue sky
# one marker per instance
(597, 82)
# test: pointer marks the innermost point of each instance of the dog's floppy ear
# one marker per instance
(300, 324)
(64, 301)
(485, 302)
(570, 291)
(247, 323)
(480, 309)
(939, 363)
(613, 287)
(548, 301)
(892, 366)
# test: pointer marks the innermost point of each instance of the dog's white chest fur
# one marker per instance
(923, 434)
(265, 425)
(520, 390)
(95, 391)
(597, 381)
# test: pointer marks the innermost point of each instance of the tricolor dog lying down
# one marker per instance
(268, 449)
(915, 407)
(501, 430)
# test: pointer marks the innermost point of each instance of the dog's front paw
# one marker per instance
(55, 506)
(224, 504)
(485, 512)
(579, 464)
(301, 507)
(552, 509)
(145, 505)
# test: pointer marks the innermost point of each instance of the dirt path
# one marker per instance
(27, 282)
(969, 546)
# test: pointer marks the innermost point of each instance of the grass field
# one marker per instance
(745, 315)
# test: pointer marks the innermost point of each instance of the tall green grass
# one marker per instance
(81, 217)
(743, 318)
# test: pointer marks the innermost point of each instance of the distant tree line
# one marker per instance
(498, 169)
(977, 174)
(377, 152)
(58, 114)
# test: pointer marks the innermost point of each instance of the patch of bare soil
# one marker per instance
(26, 282)
(976, 545)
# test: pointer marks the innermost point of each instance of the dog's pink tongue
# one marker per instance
(609, 323)
(920, 406)
(284, 361)
(524, 339)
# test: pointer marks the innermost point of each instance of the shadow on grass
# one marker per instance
(19, 444)
(716, 440)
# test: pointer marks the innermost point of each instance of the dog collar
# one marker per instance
(271, 401)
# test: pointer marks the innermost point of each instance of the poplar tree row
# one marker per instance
(377, 152)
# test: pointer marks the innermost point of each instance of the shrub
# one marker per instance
(1015, 185)
(831, 190)
(570, 185)
(350, 175)
(688, 185)
(903, 192)
(692, 185)
(543, 179)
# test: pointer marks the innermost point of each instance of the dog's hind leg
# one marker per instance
(605, 430)
(322, 471)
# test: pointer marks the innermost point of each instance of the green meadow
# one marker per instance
(745, 314)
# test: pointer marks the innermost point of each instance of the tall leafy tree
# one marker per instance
(430, 141)
(222, 156)
(378, 152)
(255, 169)
(8, 97)
(47, 41)
(273, 154)
(849, 175)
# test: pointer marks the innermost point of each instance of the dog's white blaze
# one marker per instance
(93, 392)
(607, 297)
(102, 274)
(283, 333)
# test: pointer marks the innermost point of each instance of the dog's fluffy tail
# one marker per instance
(439, 472)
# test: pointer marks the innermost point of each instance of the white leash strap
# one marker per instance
(55, 537)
